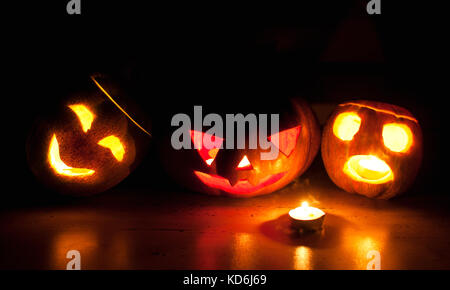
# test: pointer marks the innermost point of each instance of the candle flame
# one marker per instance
(305, 212)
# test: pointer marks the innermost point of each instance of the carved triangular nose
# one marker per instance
(227, 161)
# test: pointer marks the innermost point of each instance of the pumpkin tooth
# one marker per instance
(233, 180)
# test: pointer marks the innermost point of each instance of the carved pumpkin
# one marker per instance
(242, 172)
(87, 144)
(372, 148)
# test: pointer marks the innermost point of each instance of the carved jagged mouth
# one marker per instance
(243, 186)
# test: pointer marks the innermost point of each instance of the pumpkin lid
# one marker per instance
(399, 112)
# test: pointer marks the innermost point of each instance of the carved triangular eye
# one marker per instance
(206, 150)
(286, 140)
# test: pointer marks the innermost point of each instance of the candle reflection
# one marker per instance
(302, 258)
(119, 252)
(242, 251)
(84, 241)
(207, 247)
(360, 245)
(365, 247)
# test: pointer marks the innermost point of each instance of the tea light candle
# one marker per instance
(306, 218)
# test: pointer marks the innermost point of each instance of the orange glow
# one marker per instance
(397, 137)
(207, 154)
(244, 164)
(286, 140)
(241, 187)
(85, 116)
(114, 144)
(346, 126)
(306, 212)
(368, 169)
(59, 166)
(83, 240)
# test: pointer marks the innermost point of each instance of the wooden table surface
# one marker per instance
(151, 229)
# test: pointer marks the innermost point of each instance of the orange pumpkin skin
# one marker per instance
(186, 165)
(80, 148)
(370, 140)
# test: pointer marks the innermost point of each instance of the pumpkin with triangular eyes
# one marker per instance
(216, 170)
(372, 148)
(87, 144)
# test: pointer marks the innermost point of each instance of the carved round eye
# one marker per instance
(397, 137)
(346, 126)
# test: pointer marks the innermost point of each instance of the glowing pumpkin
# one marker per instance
(372, 148)
(242, 172)
(88, 144)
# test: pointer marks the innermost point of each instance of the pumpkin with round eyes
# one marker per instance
(216, 170)
(87, 144)
(372, 148)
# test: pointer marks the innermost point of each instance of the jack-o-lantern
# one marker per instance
(372, 148)
(242, 172)
(88, 143)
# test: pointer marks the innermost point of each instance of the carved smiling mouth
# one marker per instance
(243, 186)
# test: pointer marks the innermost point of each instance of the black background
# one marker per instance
(177, 55)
